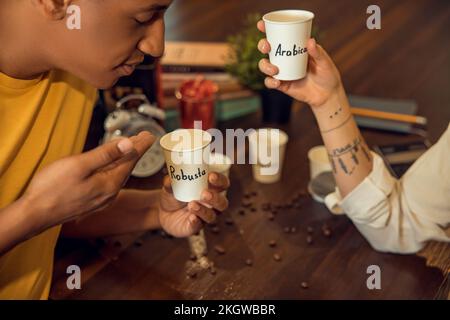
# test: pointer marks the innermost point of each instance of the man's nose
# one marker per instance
(153, 41)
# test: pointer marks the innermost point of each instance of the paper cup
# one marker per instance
(288, 32)
(220, 163)
(318, 161)
(267, 150)
(187, 154)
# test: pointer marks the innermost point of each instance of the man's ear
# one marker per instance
(53, 9)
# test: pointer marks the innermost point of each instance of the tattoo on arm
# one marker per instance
(339, 110)
(339, 126)
(347, 153)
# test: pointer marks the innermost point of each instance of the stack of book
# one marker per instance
(186, 60)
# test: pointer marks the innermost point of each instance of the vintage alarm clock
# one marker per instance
(127, 121)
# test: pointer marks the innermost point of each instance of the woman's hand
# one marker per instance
(321, 82)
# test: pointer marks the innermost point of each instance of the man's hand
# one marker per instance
(76, 186)
(320, 83)
(181, 220)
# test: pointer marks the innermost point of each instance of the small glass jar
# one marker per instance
(197, 100)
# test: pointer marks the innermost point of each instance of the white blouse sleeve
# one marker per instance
(401, 215)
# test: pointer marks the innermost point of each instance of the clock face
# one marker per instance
(151, 162)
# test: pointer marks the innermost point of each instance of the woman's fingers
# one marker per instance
(264, 46)
(260, 25)
(267, 68)
(272, 83)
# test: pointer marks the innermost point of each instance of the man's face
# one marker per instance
(112, 41)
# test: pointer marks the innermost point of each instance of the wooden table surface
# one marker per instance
(408, 58)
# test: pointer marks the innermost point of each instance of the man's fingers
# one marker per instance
(105, 154)
(205, 214)
(167, 185)
(195, 223)
(267, 68)
(214, 199)
(142, 142)
(261, 26)
(218, 181)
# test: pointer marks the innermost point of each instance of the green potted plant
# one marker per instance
(243, 64)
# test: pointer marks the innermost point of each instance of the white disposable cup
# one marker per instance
(318, 161)
(187, 155)
(267, 148)
(220, 163)
(287, 32)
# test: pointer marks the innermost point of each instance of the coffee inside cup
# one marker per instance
(288, 16)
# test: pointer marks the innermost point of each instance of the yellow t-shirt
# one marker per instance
(41, 120)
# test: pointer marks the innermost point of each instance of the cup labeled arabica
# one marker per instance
(287, 32)
(186, 152)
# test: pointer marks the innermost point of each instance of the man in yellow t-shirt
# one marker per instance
(48, 76)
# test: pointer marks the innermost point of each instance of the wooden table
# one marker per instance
(408, 58)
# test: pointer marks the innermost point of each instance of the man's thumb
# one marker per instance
(107, 153)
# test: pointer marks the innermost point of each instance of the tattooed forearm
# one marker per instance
(346, 157)
(349, 147)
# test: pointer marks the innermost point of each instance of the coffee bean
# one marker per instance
(287, 229)
(246, 204)
(310, 229)
(272, 243)
(229, 221)
(253, 209)
(191, 273)
(305, 285)
(219, 249)
(309, 239)
(271, 217)
(249, 262)
(274, 211)
(138, 243)
(242, 212)
(254, 193)
(212, 271)
(277, 257)
(215, 230)
(247, 195)
(293, 230)
(193, 257)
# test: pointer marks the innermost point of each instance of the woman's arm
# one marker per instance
(387, 211)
